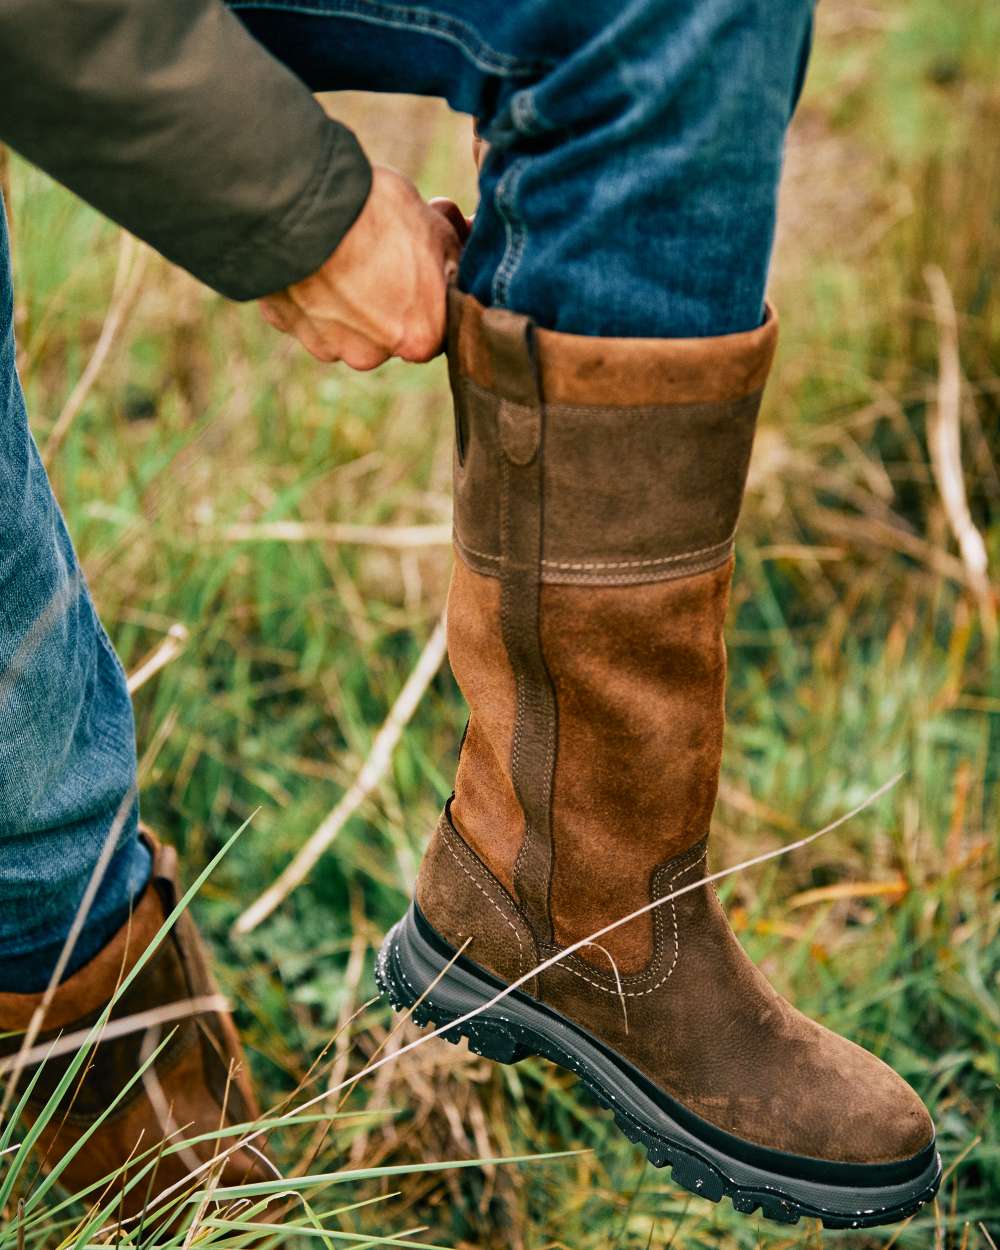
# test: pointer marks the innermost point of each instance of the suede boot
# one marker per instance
(197, 1085)
(597, 488)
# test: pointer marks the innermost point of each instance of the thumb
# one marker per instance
(450, 211)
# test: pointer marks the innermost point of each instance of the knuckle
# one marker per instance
(422, 342)
(363, 361)
(418, 349)
(272, 317)
(319, 348)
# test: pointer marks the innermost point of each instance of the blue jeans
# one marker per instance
(67, 741)
(630, 190)
(635, 149)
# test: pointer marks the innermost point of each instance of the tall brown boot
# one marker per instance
(197, 1085)
(597, 487)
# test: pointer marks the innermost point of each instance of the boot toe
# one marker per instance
(852, 1107)
(883, 1119)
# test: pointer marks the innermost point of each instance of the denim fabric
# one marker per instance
(630, 189)
(636, 147)
(67, 742)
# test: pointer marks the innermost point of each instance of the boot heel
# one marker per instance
(500, 1040)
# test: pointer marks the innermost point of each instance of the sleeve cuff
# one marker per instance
(295, 245)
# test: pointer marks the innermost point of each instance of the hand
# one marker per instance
(383, 291)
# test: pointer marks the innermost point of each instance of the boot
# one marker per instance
(198, 1084)
(597, 487)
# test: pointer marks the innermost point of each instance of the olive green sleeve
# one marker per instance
(171, 119)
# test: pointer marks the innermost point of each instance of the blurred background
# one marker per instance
(274, 533)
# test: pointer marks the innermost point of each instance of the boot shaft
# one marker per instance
(597, 487)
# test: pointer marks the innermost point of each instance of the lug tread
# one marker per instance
(506, 1042)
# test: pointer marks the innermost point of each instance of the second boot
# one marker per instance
(597, 488)
(127, 1142)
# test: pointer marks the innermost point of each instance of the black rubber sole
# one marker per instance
(414, 957)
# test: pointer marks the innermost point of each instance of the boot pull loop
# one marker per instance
(456, 305)
(520, 431)
(510, 341)
(520, 415)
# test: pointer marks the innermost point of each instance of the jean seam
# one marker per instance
(425, 21)
(525, 114)
(505, 200)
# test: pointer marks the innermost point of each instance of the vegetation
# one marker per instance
(862, 642)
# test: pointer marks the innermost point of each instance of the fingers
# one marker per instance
(383, 291)
(327, 343)
(358, 352)
(425, 323)
(451, 235)
(422, 343)
(480, 148)
(274, 310)
(448, 209)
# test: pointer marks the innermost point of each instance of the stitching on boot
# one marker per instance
(636, 978)
(588, 573)
(515, 742)
(447, 836)
(635, 564)
(611, 564)
(550, 768)
(607, 989)
(639, 577)
(531, 832)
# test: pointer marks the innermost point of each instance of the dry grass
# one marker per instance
(214, 477)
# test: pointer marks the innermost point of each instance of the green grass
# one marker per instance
(855, 652)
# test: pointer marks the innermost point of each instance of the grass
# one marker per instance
(857, 649)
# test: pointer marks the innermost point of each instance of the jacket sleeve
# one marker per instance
(171, 119)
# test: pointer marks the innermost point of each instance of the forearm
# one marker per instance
(173, 121)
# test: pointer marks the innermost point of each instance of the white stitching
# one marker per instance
(673, 963)
(634, 579)
(635, 564)
(446, 838)
(609, 564)
(515, 742)
(487, 566)
(505, 202)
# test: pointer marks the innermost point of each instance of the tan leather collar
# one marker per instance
(91, 986)
(580, 369)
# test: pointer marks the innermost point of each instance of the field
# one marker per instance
(254, 513)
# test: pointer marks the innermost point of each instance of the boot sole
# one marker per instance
(418, 969)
